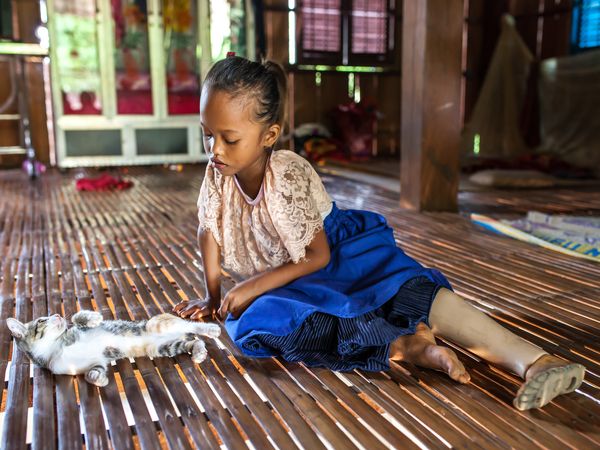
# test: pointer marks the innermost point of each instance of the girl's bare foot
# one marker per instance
(547, 378)
(420, 349)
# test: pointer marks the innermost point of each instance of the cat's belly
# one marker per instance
(135, 346)
(77, 361)
(97, 349)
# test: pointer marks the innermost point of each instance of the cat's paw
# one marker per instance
(211, 330)
(94, 320)
(87, 319)
(199, 352)
(97, 376)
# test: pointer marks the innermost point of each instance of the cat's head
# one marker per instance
(38, 336)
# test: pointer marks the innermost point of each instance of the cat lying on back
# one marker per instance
(92, 344)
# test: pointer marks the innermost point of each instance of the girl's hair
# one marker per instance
(265, 83)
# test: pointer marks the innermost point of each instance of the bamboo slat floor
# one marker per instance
(132, 254)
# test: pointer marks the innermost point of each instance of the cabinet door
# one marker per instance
(162, 141)
(133, 79)
(180, 34)
(76, 34)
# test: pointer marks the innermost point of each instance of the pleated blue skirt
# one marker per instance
(345, 315)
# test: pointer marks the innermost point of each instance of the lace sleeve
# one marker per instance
(209, 204)
(292, 204)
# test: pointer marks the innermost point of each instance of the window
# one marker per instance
(342, 32)
(6, 31)
(586, 25)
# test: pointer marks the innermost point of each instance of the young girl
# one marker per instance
(321, 285)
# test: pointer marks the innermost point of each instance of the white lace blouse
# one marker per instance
(272, 229)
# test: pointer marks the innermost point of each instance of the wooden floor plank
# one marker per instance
(433, 415)
(362, 410)
(308, 406)
(144, 426)
(166, 414)
(133, 254)
(331, 404)
(195, 422)
(261, 412)
(88, 398)
(13, 295)
(302, 431)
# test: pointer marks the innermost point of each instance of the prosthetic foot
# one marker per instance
(548, 378)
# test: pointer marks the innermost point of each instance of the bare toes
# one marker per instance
(459, 373)
(444, 359)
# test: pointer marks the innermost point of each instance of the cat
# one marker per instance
(92, 343)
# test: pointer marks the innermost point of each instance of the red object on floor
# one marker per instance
(104, 182)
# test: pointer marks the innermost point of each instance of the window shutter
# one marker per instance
(369, 26)
(372, 32)
(320, 23)
(352, 32)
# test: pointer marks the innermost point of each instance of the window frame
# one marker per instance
(345, 56)
(316, 56)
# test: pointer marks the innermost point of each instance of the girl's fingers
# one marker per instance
(222, 310)
(187, 304)
(199, 314)
(182, 306)
(183, 313)
(192, 311)
(187, 312)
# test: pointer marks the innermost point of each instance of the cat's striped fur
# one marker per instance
(91, 344)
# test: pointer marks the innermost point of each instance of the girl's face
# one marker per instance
(233, 141)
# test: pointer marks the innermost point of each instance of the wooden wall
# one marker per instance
(28, 18)
(313, 103)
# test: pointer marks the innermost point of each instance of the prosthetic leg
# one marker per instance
(546, 376)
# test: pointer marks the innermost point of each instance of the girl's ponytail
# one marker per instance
(278, 73)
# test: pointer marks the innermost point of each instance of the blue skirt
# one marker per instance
(345, 315)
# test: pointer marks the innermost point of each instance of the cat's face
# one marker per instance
(38, 334)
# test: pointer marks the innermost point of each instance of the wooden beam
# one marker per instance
(431, 97)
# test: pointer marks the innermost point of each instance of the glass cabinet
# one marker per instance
(126, 75)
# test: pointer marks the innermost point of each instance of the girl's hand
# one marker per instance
(196, 309)
(237, 300)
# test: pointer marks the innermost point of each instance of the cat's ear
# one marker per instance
(17, 329)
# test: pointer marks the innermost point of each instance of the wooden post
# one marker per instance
(431, 97)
